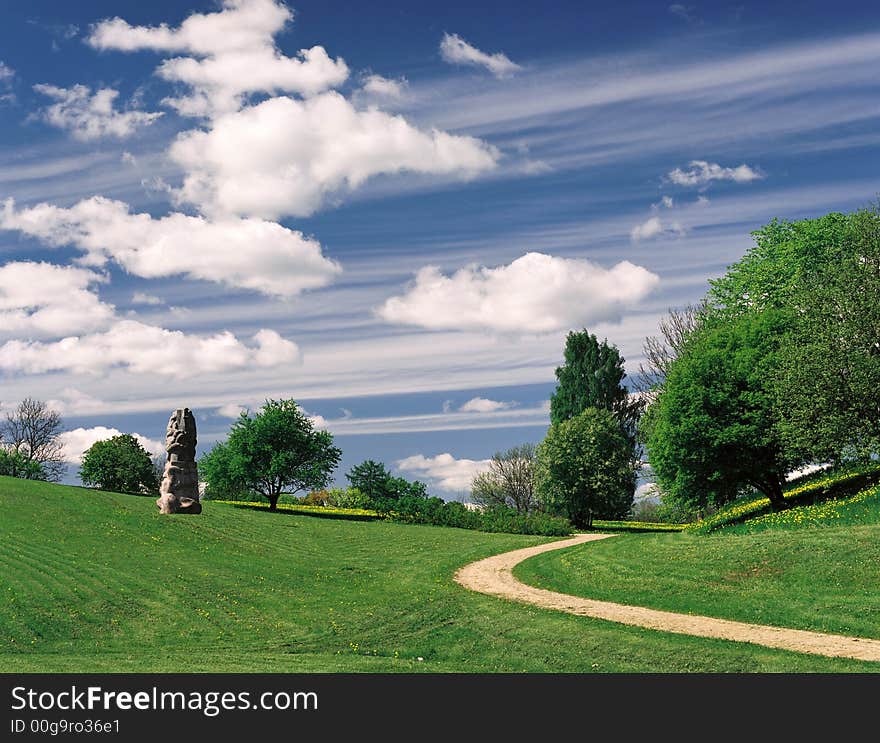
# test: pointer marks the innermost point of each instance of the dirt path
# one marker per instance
(494, 576)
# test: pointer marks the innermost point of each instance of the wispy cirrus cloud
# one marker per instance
(7, 76)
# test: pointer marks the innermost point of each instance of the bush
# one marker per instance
(316, 498)
(15, 464)
(120, 464)
(348, 498)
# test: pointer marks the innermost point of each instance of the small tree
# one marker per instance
(400, 487)
(13, 464)
(274, 452)
(371, 478)
(30, 436)
(585, 468)
(509, 481)
(119, 464)
(216, 470)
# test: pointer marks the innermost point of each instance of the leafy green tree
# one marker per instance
(827, 380)
(120, 464)
(783, 255)
(15, 464)
(275, 451)
(509, 481)
(711, 434)
(371, 478)
(585, 468)
(591, 377)
(217, 471)
(400, 487)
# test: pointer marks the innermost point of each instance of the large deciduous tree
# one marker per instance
(30, 438)
(711, 434)
(509, 481)
(828, 376)
(585, 468)
(275, 451)
(120, 464)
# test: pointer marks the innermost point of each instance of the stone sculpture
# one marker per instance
(179, 492)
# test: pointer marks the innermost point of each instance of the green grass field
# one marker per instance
(815, 567)
(101, 582)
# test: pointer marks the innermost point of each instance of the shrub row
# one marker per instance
(436, 511)
(412, 510)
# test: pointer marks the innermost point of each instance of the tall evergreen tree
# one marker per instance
(592, 377)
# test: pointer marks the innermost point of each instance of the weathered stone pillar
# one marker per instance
(179, 492)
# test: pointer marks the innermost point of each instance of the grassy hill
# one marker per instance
(101, 582)
(813, 567)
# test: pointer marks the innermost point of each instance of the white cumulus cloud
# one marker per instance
(148, 349)
(245, 253)
(75, 443)
(231, 410)
(702, 172)
(43, 300)
(482, 405)
(383, 86)
(227, 55)
(142, 298)
(536, 293)
(654, 227)
(455, 50)
(284, 156)
(444, 471)
(89, 116)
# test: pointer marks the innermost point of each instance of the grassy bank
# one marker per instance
(815, 567)
(101, 582)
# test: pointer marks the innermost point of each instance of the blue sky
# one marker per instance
(397, 227)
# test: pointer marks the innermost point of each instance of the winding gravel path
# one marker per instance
(494, 576)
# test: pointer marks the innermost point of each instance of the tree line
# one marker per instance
(777, 367)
